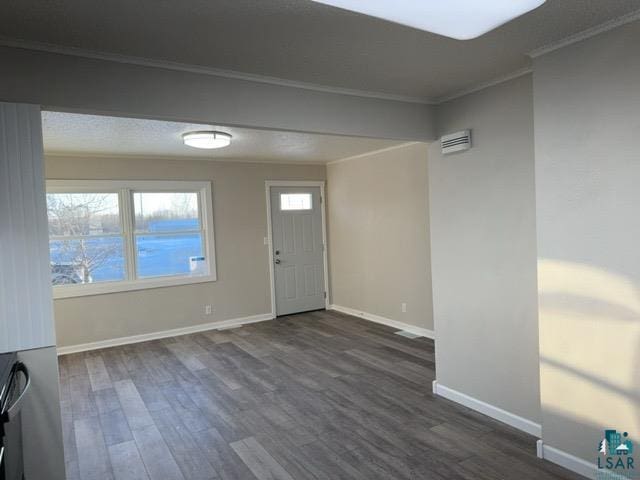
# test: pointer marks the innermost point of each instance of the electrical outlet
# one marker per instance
(403, 306)
(208, 310)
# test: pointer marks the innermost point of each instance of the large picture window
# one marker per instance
(109, 236)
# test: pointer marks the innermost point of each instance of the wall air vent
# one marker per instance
(456, 142)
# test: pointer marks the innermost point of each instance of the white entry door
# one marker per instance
(298, 249)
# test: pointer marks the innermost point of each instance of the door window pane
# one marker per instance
(295, 201)
(163, 255)
(166, 211)
(80, 214)
(87, 260)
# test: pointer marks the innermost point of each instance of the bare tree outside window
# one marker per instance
(85, 234)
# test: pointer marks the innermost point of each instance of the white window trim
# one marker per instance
(124, 188)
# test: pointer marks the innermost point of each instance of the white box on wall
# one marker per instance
(456, 142)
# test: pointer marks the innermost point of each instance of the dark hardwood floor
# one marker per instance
(320, 395)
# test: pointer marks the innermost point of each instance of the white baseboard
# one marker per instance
(423, 332)
(234, 322)
(489, 410)
(570, 462)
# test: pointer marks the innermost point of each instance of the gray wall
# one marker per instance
(484, 252)
(99, 86)
(587, 125)
(242, 259)
(379, 251)
(41, 422)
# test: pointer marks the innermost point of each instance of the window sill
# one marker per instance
(70, 291)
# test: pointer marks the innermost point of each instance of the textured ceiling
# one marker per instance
(70, 133)
(301, 40)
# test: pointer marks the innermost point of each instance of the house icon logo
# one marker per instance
(615, 454)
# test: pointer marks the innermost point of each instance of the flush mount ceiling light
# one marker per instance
(459, 19)
(204, 139)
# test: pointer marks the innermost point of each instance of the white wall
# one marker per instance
(378, 215)
(587, 125)
(100, 86)
(484, 252)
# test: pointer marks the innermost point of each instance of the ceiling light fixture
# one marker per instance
(204, 139)
(459, 19)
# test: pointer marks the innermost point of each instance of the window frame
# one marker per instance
(125, 190)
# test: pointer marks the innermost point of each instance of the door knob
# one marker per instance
(277, 252)
(278, 261)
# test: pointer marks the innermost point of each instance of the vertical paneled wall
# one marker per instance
(26, 318)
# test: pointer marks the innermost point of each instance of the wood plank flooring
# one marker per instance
(314, 396)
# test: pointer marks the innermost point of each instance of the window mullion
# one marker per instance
(62, 238)
(128, 229)
(170, 233)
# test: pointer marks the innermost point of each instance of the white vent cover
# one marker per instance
(456, 142)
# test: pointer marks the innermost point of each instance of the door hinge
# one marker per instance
(325, 294)
(320, 198)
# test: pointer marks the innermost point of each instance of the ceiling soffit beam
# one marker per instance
(258, 79)
(216, 72)
(97, 86)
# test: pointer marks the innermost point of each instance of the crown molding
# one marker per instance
(215, 72)
(577, 37)
(481, 86)
(585, 34)
(179, 158)
(373, 152)
(182, 67)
